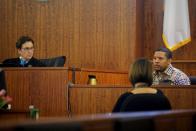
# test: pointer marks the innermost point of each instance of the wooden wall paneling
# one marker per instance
(74, 35)
(41, 26)
(138, 51)
(192, 46)
(3, 24)
(111, 28)
(25, 15)
(105, 40)
(129, 28)
(87, 32)
(8, 18)
(68, 28)
(3, 19)
(103, 77)
(153, 22)
(52, 37)
(54, 28)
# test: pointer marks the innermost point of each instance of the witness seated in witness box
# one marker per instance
(164, 72)
(142, 97)
(25, 47)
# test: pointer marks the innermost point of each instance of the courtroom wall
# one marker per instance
(91, 33)
(99, 34)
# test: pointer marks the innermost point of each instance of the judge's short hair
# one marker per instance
(22, 40)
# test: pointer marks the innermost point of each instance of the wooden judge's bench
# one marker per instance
(49, 90)
(44, 88)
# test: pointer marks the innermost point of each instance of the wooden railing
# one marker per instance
(178, 120)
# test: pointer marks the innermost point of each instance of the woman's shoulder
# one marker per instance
(125, 95)
(120, 101)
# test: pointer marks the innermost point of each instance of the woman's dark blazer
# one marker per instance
(129, 102)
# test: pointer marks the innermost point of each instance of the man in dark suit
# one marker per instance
(25, 47)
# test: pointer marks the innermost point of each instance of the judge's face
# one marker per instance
(27, 50)
(160, 61)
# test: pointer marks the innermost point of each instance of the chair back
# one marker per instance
(193, 80)
(54, 62)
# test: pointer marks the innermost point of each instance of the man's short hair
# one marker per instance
(22, 40)
(168, 53)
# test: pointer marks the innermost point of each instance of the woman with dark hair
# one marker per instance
(142, 97)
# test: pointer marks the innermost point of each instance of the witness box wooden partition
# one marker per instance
(45, 88)
(80, 76)
(101, 99)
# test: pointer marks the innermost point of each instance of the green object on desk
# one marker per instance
(34, 113)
